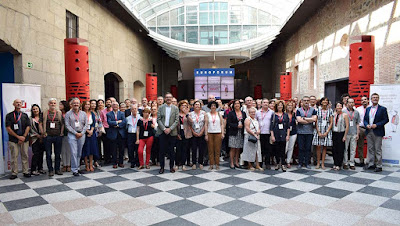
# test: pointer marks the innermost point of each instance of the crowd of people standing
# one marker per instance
(255, 134)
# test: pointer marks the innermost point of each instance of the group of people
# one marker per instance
(253, 133)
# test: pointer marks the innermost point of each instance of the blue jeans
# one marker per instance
(304, 141)
(48, 143)
(76, 146)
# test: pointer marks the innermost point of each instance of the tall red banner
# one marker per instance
(286, 85)
(258, 92)
(76, 69)
(151, 86)
(174, 91)
(361, 69)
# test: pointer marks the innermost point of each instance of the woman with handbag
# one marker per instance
(214, 134)
(252, 146)
(280, 134)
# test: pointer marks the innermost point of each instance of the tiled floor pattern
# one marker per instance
(127, 196)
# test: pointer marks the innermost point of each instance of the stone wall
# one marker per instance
(37, 28)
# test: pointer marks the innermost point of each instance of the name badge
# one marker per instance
(290, 128)
(280, 126)
(323, 123)
(197, 126)
(16, 126)
(146, 133)
(77, 124)
(351, 123)
(240, 123)
(261, 124)
(131, 130)
(181, 127)
(52, 125)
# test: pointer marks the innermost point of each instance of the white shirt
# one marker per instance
(214, 123)
(361, 110)
(372, 113)
(167, 115)
(132, 121)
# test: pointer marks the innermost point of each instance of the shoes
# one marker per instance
(352, 168)
(378, 169)
(64, 169)
(289, 166)
(360, 164)
(201, 166)
(259, 168)
(42, 171)
(68, 168)
(76, 174)
(194, 166)
(346, 167)
(132, 165)
(35, 173)
(91, 169)
(161, 171)
(217, 167)
(147, 167)
(183, 168)
(121, 165)
(58, 172)
(317, 167)
(211, 167)
(172, 170)
(141, 167)
(27, 175)
(237, 166)
(277, 167)
(12, 177)
(51, 173)
(323, 167)
(308, 166)
(283, 168)
(115, 166)
(299, 166)
(232, 167)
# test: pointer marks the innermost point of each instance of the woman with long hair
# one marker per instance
(37, 140)
(184, 134)
(340, 130)
(65, 150)
(235, 122)
(155, 147)
(97, 129)
(144, 137)
(323, 131)
(90, 149)
(291, 112)
(197, 121)
(280, 134)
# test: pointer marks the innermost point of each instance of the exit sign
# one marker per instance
(29, 65)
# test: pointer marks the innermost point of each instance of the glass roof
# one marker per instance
(224, 24)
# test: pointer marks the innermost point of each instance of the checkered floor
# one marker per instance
(127, 196)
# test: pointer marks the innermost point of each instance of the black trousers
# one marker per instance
(338, 148)
(266, 148)
(117, 147)
(181, 151)
(155, 150)
(106, 147)
(167, 143)
(279, 147)
(200, 144)
(133, 149)
(38, 150)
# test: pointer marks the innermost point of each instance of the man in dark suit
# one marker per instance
(167, 120)
(375, 118)
(116, 134)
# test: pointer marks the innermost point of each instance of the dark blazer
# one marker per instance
(113, 131)
(233, 123)
(381, 118)
(128, 112)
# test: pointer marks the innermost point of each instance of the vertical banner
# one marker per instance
(286, 85)
(29, 94)
(151, 86)
(174, 91)
(389, 97)
(257, 92)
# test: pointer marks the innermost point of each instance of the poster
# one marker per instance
(29, 94)
(218, 82)
(389, 97)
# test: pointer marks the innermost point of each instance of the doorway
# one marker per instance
(335, 88)
(111, 85)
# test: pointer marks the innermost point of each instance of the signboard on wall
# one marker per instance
(214, 81)
(389, 97)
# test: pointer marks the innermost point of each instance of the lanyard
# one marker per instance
(373, 114)
(280, 118)
(351, 116)
(54, 116)
(145, 123)
(213, 118)
(182, 119)
(134, 122)
(19, 117)
(34, 119)
(76, 116)
(263, 115)
(306, 113)
(197, 117)
(324, 115)
(337, 116)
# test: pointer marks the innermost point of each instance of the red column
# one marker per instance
(361, 69)
(151, 86)
(76, 69)
(286, 85)
(174, 91)
(258, 92)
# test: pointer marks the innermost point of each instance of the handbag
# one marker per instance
(252, 138)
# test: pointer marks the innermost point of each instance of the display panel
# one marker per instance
(218, 82)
